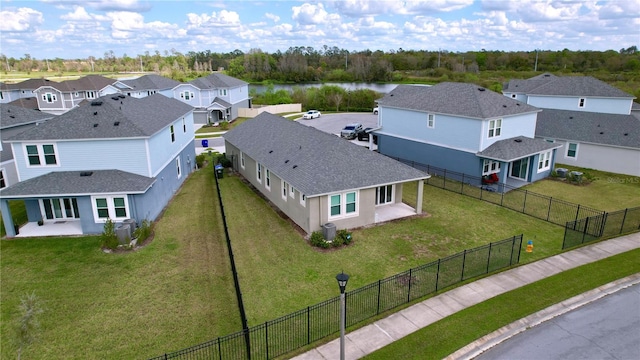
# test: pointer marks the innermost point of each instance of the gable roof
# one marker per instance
(597, 128)
(12, 115)
(216, 81)
(565, 86)
(29, 84)
(135, 117)
(60, 183)
(516, 148)
(151, 82)
(89, 82)
(27, 103)
(458, 99)
(312, 161)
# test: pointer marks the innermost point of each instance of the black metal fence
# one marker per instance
(288, 333)
(592, 228)
(527, 202)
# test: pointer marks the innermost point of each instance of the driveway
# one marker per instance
(333, 123)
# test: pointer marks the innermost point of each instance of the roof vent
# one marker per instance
(295, 166)
(504, 106)
(115, 97)
(95, 113)
(626, 134)
(96, 103)
(570, 117)
(598, 125)
(601, 132)
(95, 125)
(481, 89)
(117, 123)
(270, 151)
(517, 104)
(518, 140)
(86, 173)
(286, 161)
(12, 116)
(121, 96)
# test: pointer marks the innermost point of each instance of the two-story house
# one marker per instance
(13, 120)
(316, 178)
(216, 97)
(21, 90)
(466, 129)
(59, 97)
(147, 85)
(593, 120)
(116, 157)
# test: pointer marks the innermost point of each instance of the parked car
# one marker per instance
(311, 114)
(375, 110)
(364, 135)
(351, 131)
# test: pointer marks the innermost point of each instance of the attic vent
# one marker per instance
(518, 140)
(116, 123)
(115, 97)
(96, 103)
(481, 89)
(121, 96)
(86, 173)
(95, 125)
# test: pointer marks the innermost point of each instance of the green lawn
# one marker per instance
(172, 294)
(19, 213)
(456, 331)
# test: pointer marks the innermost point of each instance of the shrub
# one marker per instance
(337, 241)
(317, 240)
(200, 160)
(222, 160)
(345, 236)
(143, 231)
(109, 237)
(224, 125)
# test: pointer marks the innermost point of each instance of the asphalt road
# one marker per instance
(608, 328)
(333, 123)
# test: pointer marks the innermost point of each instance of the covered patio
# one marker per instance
(395, 211)
(50, 228)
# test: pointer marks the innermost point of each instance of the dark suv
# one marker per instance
(351, 131)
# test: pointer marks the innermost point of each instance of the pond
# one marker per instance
(381, 88)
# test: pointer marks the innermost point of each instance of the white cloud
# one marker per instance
(308, 14)
(24, 19)
(273, 17)
(222, 19)
(79, 14)
(620, 9)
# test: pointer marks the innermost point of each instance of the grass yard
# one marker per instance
(279, 273)
(607, 191)
(456, 331)
(19, 213)
(174, 293)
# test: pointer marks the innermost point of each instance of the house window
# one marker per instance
(242, 159)
(572, 150)
(184, 126)
(267, 182)
(173, 134)
(3, 182)
(49, 97)
(292, 192)
(284, 190)
(110, 207)
(384, 194)
(187, 95)
(259, 172)
(56, 208)
(344, 204)
(178, 168)
(490, 167)
(91, 94)
(303, 200)
(494, 127)
(223, 92)
(431, 121)
(544, 161)
(39, 155)
(581, 102)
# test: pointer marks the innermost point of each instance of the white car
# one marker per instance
(311, 114)
(375, 110)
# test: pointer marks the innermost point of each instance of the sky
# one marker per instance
(71, 29)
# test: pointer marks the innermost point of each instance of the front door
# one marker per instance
(59, 208)
(519, 169)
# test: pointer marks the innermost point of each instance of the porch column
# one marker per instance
(7, 218)
(419, 197)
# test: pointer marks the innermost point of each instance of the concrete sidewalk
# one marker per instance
(372, 337)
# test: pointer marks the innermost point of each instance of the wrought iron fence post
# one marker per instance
(464, 260)
(577, 212)
(519, 246)
(266, 338)
(489, 257)
(624, 218)
(438, 275)
(308, 326)
(603, 222)
(524, 203)
(379, 286)
(502, 196)
(584, 231)
(409, 290)
(549, 210)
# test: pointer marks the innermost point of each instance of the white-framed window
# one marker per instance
(581, 102)
(242, 159)
(91, 94)
(49, 97)
(431, 121)
(184, 125)
(490, 167)
(303, 200)
(3, 181)
(384, 194)
(41, 155)
(343, 204)
(284, 189)
(292, 191)
(178, 169)
(187, 95)
(173, 134)
(223, 92)
(494, 127)
(59, 208)
(572, 150)
(114, 207)
(544, 161)
(259, 172)
(267, 179)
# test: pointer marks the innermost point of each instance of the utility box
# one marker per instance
(562, 172)
(329, 231)
(123, 232)
(132, 226)
(219, 169)
(577, 176)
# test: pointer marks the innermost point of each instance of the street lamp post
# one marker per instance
(342, 282)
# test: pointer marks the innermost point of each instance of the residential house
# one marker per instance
(597, 124)
(147, 85)
(117, 157)
(59, 97)
(13, 120)
(316, 178)
(216, 97)
(21, 90)
(466, 129)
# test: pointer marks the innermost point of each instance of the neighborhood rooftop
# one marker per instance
(110, 117)
(460, 99)
(315, 162)
(89, 82)
(582, 86)
(516, 148)
(13, 115)
(150, 82)
(217, 80)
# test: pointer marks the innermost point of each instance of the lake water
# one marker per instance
(381, 88)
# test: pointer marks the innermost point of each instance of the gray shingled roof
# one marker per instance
(135, 117)
(221, 102)
(12, 115)
(597, 128)
(29, 84)
(566, 86)
(217, 81)
(459, 99)
(312, 161)
(151, 82)
(523, 86)
(516, 148)
(63, 183)
(27, 103)
(89, 82)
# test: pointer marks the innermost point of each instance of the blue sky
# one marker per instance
(77, 29)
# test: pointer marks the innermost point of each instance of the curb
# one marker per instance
(488, 341)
